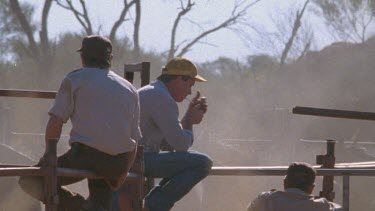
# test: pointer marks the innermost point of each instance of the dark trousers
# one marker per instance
(80, 156)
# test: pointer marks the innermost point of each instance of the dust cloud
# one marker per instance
(250, 122)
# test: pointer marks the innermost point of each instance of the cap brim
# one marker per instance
(199, 78)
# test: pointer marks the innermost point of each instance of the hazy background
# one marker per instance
(261, 58)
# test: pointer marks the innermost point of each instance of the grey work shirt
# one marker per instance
(159, 119)
(103, 109)
(292, 199)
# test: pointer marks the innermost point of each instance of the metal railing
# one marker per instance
(50, 172)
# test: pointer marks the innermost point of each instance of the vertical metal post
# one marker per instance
(5, 130)
(327, 161)
(345, 192)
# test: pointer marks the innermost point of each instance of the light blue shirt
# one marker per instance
(159, 119)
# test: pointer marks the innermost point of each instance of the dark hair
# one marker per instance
(102, 63)
(300, 175)
(167, 78)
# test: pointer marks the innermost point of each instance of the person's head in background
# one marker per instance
(302, 176)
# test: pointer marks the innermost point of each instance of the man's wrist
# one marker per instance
(187, 122)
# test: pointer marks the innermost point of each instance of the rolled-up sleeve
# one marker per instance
(165, 115)
(64, 103)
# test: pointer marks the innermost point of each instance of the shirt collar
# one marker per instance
(164, 89)
(296, 190)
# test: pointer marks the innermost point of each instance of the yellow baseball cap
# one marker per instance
(182, 66)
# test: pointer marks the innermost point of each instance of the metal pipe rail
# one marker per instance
(282, 170)
(334, 113)
(27, 93)
(10, 170)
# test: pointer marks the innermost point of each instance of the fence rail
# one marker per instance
(50, 172)
(367, 170)
(345, 114)
(28, 93)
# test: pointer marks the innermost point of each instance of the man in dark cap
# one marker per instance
(299, 184)
(104, 111)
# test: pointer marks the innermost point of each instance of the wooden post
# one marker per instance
(145, 73)
(143, 68)
(4, 112)
(345, 192)
(327, 161)
(50, 177)
(138, 201)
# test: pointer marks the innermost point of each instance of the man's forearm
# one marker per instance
(54, 128)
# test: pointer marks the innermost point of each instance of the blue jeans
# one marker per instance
(180, 171)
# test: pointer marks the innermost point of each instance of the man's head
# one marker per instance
(96, 51)
(180, 75)
(183, 67)
(301, 176)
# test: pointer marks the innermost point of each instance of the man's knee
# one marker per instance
(203, 161)
(208, 164)
(32, 185)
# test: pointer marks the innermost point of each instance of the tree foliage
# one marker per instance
(349, 20)
(11, 30)
(24, 42)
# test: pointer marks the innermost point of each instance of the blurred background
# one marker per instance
(261, 58)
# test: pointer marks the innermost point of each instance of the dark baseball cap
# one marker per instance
(96, 46)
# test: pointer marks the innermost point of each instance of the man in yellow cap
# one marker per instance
(167, 139)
